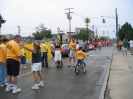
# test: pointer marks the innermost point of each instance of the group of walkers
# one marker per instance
(125, 45)
(12, 54)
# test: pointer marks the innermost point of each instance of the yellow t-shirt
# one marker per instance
(72, 46)
(80, 55)
(43, 47)
(12, 50)
(2, 53)
(23, 52)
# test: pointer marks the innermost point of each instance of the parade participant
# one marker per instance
(57, 46)
(72, 47)
(3, 68)
(23, 58)
(124, 46)
(80, 55)
(13, 54)
(131, 46)
(44, 51)
(36, 64)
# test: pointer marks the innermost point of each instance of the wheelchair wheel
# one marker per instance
(77, 69)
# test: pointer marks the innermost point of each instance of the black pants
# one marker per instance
(44, 56)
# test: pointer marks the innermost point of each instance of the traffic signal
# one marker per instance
(87, 20)
(68, 15)
(104, 20)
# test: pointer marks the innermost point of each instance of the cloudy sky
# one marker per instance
(31, 13)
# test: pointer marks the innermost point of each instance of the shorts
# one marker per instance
(72, 53)
(124, 49)
(23, 60)
(80, 62)
(13, 67)
(36, 66)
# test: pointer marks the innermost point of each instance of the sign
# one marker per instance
(61, 31)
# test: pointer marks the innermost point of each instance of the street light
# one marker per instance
(87, 20)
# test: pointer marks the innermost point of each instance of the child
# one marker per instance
(80, 55)
(36, 64)
(23, 59)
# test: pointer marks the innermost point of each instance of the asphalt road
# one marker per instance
(63, 83)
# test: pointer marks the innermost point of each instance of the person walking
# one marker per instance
(3, 68)
(36, 64)
(44, 51)
(13, 55)
(57, 57)
(23, 58)
(131, 46)
(72, 47)
(124, 46)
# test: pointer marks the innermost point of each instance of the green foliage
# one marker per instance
(84, 35)
(2, 21)
(42, 32)
(75, 36)
(126, 31)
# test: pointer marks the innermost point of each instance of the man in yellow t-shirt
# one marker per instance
(3, 68)
(72, 47)
(13, 54)
(44, 51)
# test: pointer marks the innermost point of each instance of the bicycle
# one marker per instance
(79, 67)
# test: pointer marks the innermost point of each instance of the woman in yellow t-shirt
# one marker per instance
(23, 58)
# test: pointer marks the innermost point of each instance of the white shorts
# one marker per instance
(57, 56)
(36, 66)
(72, 53)
(124, 49)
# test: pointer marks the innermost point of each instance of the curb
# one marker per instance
(105, 81)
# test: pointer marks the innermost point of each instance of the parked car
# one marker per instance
(91, 47)
(65, 48)
(84, 47)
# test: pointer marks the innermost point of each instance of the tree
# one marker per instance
(126, 31)
(2, 21)
(75, 36)
(42, 32)
(83, 35)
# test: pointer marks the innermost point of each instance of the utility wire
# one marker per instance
(21, 8)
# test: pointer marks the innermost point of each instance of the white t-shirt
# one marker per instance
(77, 46)
(131, 43)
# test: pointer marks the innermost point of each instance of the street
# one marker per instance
(63, 83)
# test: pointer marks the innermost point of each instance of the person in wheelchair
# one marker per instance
(80, 55)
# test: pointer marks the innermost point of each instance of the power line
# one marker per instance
(34, 13)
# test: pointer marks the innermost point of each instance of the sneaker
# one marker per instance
(35, 87)
(41, 85)
(68, 65)
(84, 71)
(16, 90)
(8, 88)
(3, 85)
(24, 67)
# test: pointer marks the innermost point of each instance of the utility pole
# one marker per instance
(93, 30)
(69, 18)
(117, 34)
(19, 30)
(96, 33)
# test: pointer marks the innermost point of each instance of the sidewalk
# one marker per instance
(120, 83)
